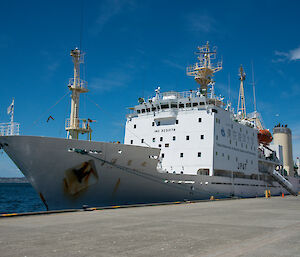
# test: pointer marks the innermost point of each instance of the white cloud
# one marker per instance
(108, 10)
(110, 81)
(201, 23)
(291, 55)
(173, 64)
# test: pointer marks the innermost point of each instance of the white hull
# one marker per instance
(120, 174)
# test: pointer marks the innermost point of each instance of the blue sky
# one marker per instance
(134, 46)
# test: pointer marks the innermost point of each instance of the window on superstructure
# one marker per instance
(199, 119)
(187, 137)
(148, 109)
(142, 140)
(199, 154)
(143, 110)
(164, 106)
(134, 126)
(177, 121)
(214, 110)
(188, 105)
(153, 109)
(153, 123)
(174, 138)
(158, 123)
(181, 155)
(202, 136)
(195, 104)
(131, 141)
(201, 103)
(153, 139)
(162, 155)
(167, 145)
(138, 111)
(181, 105)
(173, 105)
(161, 139)
(159, 145)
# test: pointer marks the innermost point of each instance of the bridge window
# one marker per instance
(164, 106)
(153, 109)
(181, 105)
(173, 105)
(195, 104)
(201, 103)
(143, 110)
(188, 105)
(138, 111)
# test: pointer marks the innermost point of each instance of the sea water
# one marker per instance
(19, 198)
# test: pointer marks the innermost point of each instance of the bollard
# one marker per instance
(282, 195)
(212, 198)
(266, 194)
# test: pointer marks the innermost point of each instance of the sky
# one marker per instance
(132, 47)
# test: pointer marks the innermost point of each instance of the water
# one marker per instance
(18, 198)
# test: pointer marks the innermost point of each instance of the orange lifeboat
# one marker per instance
(264, 136)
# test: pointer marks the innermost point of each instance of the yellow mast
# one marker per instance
(74, 125)
(204, 70)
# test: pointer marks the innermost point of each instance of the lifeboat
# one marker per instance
(264, 136)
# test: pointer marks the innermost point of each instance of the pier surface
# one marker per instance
(246, 227)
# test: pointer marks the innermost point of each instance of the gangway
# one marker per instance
(283, 182)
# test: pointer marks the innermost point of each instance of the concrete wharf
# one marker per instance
(244, 227)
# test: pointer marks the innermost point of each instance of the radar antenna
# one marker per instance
(204, 70)
(74, 125)
(241, 102)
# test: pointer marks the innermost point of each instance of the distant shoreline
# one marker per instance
(13, 180)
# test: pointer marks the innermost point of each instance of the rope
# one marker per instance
(50, 108)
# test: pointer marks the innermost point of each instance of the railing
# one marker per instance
(81, 124)
(9, 129)
(80, 84)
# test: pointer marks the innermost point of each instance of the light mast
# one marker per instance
(204, 70)
(74, 125)
(241, 110)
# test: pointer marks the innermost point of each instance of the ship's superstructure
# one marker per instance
(178, 146)
(196, 132)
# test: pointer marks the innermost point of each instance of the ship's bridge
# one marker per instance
(174, 100)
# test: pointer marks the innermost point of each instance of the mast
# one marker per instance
(241, 102)
(204, 70)
(74, 125)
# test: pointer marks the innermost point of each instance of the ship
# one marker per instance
(178, 146)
